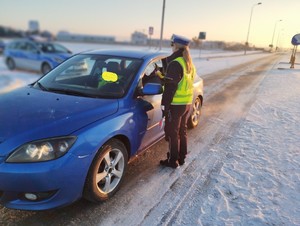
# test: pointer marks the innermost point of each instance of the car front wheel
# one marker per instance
(194, 118)
(106, 172)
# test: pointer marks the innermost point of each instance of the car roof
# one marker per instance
(25, 40)
(31, 40)
(131, 53)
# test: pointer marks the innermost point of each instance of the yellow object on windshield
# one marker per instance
(109, 76)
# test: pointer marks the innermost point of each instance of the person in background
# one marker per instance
(177, 99)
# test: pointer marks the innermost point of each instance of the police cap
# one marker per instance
(180, 40)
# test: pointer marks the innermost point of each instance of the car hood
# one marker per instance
(29, 113)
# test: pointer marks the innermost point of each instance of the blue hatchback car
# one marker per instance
(30, 54)
(72, 133)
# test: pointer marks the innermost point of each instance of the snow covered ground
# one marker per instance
(259, 182)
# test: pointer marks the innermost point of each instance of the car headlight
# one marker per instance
(42, 150)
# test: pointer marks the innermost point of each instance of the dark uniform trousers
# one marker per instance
(176, 131)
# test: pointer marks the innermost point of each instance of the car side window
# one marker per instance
(21, 46)
(30, 47)
(13, 45)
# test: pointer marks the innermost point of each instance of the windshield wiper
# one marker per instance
(42, 87)
(71, 92)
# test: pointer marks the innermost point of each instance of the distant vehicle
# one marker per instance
(72, 133)
(34, 55)
(2, 46)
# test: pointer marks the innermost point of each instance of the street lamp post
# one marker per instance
(274, 34)
(279, 36)
(246, 44)
(162, 25)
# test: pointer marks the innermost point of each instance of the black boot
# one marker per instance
(181, 161)
(168, 163)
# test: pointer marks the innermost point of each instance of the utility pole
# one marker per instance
(162, 24)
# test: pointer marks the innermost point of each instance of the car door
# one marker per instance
(155, 128)
(26, 56)
(18, 54)
(31, 57)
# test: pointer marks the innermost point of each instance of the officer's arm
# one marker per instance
(174, 73)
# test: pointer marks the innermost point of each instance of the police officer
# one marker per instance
(177, 99)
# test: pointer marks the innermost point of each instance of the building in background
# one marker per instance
(139, 38)
(33, 27)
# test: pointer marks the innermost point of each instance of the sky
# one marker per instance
(222, 20)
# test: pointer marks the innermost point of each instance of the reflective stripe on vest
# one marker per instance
(184, 92)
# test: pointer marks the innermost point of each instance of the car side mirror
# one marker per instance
(152, 89)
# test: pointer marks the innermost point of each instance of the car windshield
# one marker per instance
(52, 48)
(87, 75)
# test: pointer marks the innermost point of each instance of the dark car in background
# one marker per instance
(72, 133)
(30, 54)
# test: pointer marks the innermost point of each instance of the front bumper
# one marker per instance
(56, 183)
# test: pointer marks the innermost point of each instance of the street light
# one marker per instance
(274, 34)
(246, 44)
(162, 25)
(279, 33)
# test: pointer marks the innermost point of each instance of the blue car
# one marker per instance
(71, 134)
(34, 55)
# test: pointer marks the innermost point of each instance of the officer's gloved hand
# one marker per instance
(159, 74)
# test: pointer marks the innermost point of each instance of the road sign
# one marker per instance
(151, 29)
(296, 40)
(202, 35)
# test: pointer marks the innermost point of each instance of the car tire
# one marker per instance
(194, 118)
(10, 64)
(45, 68)
(106, 172)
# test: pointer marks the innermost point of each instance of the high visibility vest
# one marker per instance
(184, 92)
